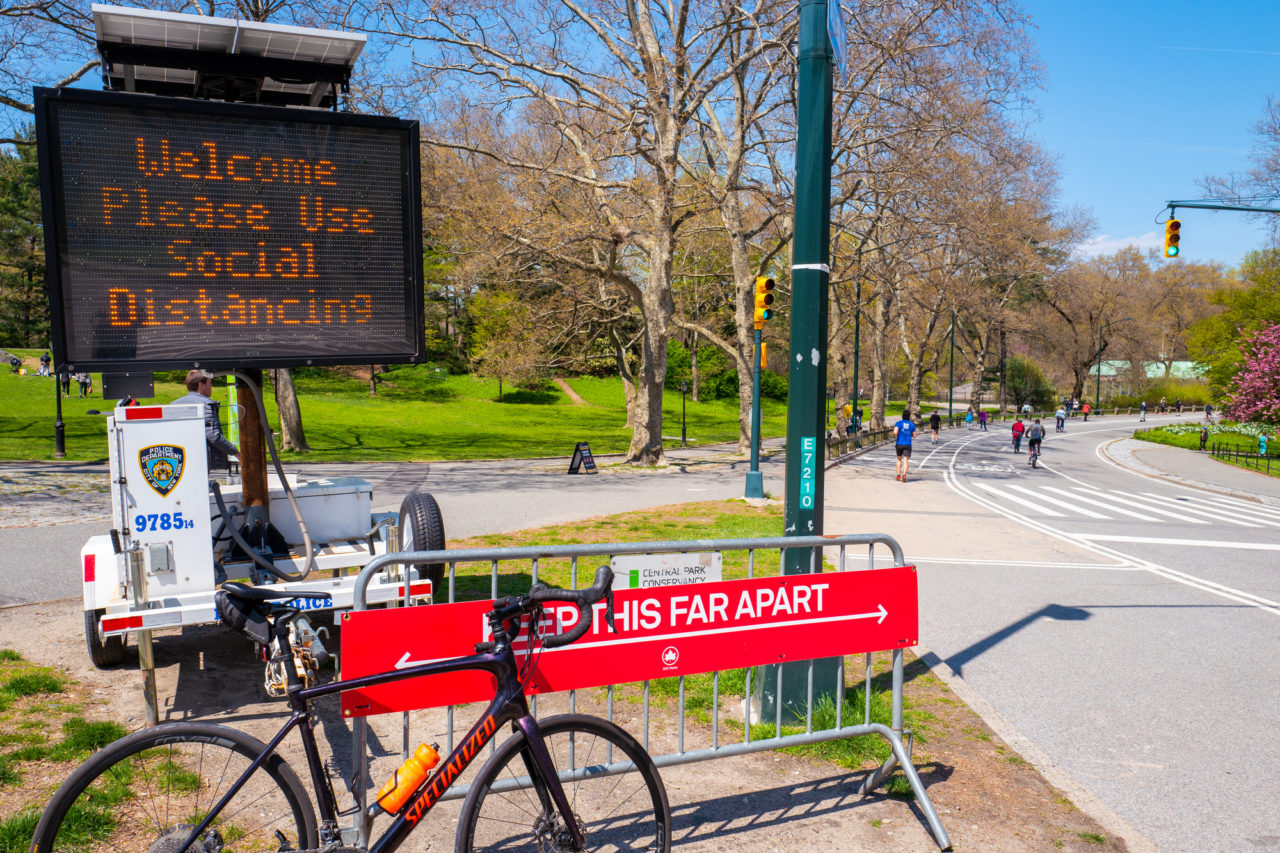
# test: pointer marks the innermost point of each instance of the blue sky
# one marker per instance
(1142, 99)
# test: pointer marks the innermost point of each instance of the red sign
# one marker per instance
(662, 632)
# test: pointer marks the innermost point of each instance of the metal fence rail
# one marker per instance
(1246, 458)
(837, 551)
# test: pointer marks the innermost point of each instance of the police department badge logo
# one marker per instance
(162, 466)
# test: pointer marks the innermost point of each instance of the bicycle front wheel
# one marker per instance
(613, 788)
(148, 791)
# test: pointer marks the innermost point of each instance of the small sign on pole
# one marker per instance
(582, 459)
(645, 571)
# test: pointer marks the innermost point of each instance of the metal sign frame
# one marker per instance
(56, 227)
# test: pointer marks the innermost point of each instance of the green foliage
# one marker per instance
(1193, 393)
(717, 374)
(1214, 341)
(82, 738)
(422, 412)
(1025, 383)
(34, 683)
(24, 301)
(17, 831)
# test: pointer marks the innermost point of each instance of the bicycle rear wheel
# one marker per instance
(147, 791)
(510, 808)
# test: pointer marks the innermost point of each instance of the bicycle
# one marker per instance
(1033, 457)
(568, 783)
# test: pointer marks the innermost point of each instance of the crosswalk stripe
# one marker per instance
(1145, 505)
(1255, 510)
(1088, 513)
(1103, 505)
(1186, 506)
(1003, 494)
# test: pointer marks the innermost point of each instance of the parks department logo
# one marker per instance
(162, 466)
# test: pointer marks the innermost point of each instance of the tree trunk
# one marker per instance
(291, 434)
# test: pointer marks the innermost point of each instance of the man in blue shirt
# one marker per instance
(904, 430)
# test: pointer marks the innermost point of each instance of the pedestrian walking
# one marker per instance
(85, 381)
(1204, 437)
(1262, 444)
(1142, 411)
(1177, 405)
(1018, 429)
(1163, 405)
(1208, 413)
(1084, 407)
(968, 420)
(904, 430)
(64, 379)
(935, 424)
(982, 420)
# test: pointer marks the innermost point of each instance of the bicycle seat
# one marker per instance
(266, 593)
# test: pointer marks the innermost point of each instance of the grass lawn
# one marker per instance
(418, 414)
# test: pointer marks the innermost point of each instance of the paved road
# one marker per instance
(1126, 626)
(1123, 627)
(53, 509)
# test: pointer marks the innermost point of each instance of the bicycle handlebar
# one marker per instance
(584, 599)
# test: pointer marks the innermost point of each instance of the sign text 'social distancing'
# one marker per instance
(662, 632)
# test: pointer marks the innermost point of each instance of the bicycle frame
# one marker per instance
(508, 705)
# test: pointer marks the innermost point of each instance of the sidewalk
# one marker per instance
(1192, 468)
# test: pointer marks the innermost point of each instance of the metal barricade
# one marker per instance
(835, 548)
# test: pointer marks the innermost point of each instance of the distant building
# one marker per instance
(1118, 376)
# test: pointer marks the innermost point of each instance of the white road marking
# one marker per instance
(1236, 503)
(1244, 512)
(1038, 496)
(1107, 506)
(1229, 593)
(1186, 505)
(1196, 543)
(1145, 504)
(1018, 500)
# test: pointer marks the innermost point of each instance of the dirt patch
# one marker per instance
(988, 797)
(569, 392)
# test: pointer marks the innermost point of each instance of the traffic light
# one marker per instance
(764, 298)
(1172, 233)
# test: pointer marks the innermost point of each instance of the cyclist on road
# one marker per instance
(1018, 429)
(1061, 417)
(903, 430)
(1035, 435)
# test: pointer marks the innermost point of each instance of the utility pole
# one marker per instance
(786, 685)
(810, 264)
(951, 371)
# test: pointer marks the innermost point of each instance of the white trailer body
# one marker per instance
(163, 510)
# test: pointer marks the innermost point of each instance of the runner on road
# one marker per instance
(935, 424)
(904, 430)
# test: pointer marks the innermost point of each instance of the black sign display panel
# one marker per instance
(184, 233)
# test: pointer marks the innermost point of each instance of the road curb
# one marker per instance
(1136, 466)
(1080, 796)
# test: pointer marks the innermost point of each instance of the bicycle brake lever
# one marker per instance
(608, 611)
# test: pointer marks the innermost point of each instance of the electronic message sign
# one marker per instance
(186, 233)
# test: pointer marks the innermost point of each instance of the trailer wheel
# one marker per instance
(103, 651)
(422, 529)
